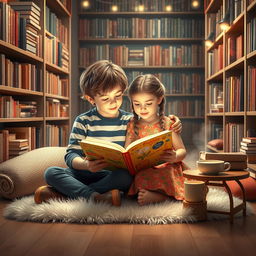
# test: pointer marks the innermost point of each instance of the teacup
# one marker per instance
(195, 191)
(212, 166)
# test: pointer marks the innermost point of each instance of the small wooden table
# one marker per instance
(222, 177)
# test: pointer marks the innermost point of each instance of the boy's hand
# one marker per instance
(169, 156)
(177, 125)
(95, 165)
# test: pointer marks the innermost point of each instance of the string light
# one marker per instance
(114, 8)
(168, 8)
(141, 8)
(195, 4)
(85, 4)
(209, 40)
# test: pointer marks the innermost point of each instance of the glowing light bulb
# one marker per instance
(168, 8)
(208, 43)
(114, 8)
(85, 4)
(141, 8)
(224, 26)
(195, 4)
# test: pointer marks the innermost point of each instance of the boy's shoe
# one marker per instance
(45, 193)
(112, 197)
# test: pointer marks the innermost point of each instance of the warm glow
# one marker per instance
(168, 8)
(114, 8)
(85, 4)
(208, 43)
(195, 4)
(224, 26)
(141, 8)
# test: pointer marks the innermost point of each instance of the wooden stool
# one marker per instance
(198, 209)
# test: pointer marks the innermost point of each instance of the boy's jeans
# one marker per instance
(82, 183)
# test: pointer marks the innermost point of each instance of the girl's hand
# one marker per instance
(95, 165)
(177, 125)
(169, 156)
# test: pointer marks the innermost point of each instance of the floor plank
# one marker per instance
(111, 240)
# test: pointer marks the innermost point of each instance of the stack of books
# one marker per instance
(29, 25)
(248, 146)
(18, 147)
(238, 160)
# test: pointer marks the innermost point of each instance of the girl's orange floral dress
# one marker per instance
(166, 178)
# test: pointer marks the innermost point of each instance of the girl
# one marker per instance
(160, 182)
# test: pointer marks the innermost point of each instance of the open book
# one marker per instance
(141, 154)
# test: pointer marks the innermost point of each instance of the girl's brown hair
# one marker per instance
(102, 76)
(148, 84)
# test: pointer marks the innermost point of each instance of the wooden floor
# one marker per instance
(203, 238)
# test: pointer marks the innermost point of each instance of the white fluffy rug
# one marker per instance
(81, 211)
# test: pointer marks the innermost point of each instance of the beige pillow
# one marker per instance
(22, 175)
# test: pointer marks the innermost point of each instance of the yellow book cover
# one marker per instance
(141, 154)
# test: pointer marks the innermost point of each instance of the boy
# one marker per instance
(102, 84)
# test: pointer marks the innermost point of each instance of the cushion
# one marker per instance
(249, 187)
(216, 143)
(22, 175)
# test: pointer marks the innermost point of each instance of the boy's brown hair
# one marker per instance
(102, 76)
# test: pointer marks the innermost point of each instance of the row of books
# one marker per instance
(215, 60)
(57, 135)
(251, 88)
(212, 21)
(176, 82)
(11, 108)
(234, 8)
(185, 107)
(56, 85)
(20, 75)
(235, 132)
(137, 5)
(140, 28)
(56, 52)
(54, 108)
(31, 136)
(55, 26)
(251, 35)
(234, 94)
(155, 55)
(235, 49)
(20, 25)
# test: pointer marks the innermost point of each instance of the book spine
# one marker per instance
(128, 162)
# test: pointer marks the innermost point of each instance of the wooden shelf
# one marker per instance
(18, 91)
(58, 8)
(251, 113)
(139, 40)
(13, 51)
(217, 42)
(56, 96)
(21, 120)
(218, 76)
(251, 55)
(56, 69)
(56, 118)
(220, 114)
(213, 6)
(242, 113)
(238, 64)
(113, 14)
(251, 6)
(18, 55)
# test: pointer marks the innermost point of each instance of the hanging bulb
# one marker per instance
(168, 8)
(85, 4)
(114, 8)
(141, 8)
(195, 4)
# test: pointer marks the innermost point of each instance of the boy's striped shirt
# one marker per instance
(92, 124)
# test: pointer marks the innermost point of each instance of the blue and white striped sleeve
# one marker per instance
(78, 132)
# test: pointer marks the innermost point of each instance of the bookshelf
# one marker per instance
(164, 38)
(35, 46)
(230, 72)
